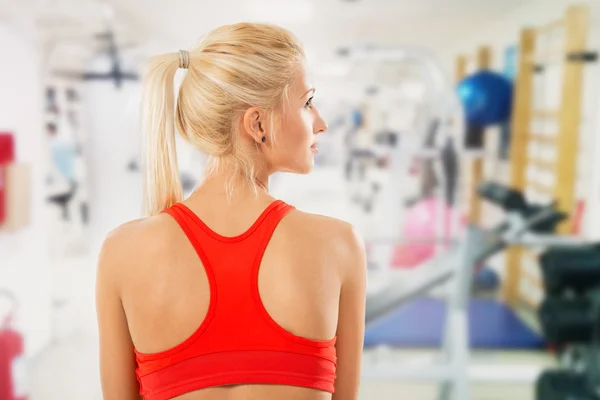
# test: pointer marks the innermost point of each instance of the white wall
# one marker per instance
(110, 116)
(24, 262)
(114, 139)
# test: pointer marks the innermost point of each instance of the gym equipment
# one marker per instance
(486, 279)
(472, 136)
(63, 200)
(116, 73)
(420, 224)
(582, 274)
(535, 48)
(477, 245)
(386, 138)
(567, 320)
(425, 166)
(458, 264)
(450, 170)
(570, 319)
(508, 199)
(51, 104)
(430, 217)
(486, 97)
(561, 385)
(356, 171)
(513, 200)
(441, 104)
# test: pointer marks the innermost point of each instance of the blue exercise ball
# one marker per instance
(486, 279)
(486, 97)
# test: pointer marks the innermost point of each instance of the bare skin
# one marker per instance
(311, 280)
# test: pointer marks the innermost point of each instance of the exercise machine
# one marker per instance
(441, 104)
(525, 225)
(570, 320)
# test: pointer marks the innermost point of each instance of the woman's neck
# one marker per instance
(227, 183)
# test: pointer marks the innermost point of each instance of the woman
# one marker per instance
(230, 293)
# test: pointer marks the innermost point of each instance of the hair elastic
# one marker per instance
(184, 59)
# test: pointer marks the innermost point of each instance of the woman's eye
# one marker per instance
(309, 103)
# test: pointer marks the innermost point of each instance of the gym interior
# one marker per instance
(462, 144)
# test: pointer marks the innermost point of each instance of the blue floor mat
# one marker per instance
(420, 324)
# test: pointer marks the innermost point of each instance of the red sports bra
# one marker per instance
(238, 342)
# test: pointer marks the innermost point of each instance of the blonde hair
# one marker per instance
(232, 68)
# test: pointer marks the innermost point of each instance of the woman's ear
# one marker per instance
(254, 125)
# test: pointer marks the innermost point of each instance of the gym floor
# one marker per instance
(68, 368)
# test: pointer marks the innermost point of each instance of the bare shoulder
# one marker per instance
(338, 237)
(139, 237)
(130, 245)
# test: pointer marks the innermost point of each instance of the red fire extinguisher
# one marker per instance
(12, 362)
(7, 156)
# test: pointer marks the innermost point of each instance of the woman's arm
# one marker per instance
(117, 357)
(351, 320)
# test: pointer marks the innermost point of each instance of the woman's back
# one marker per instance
(166, 291)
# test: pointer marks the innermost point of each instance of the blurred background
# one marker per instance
(425, 101)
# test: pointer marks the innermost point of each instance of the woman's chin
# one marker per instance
(306, 168)
(310, 165)
(303, 169)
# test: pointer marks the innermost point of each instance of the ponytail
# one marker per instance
(162, 184)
